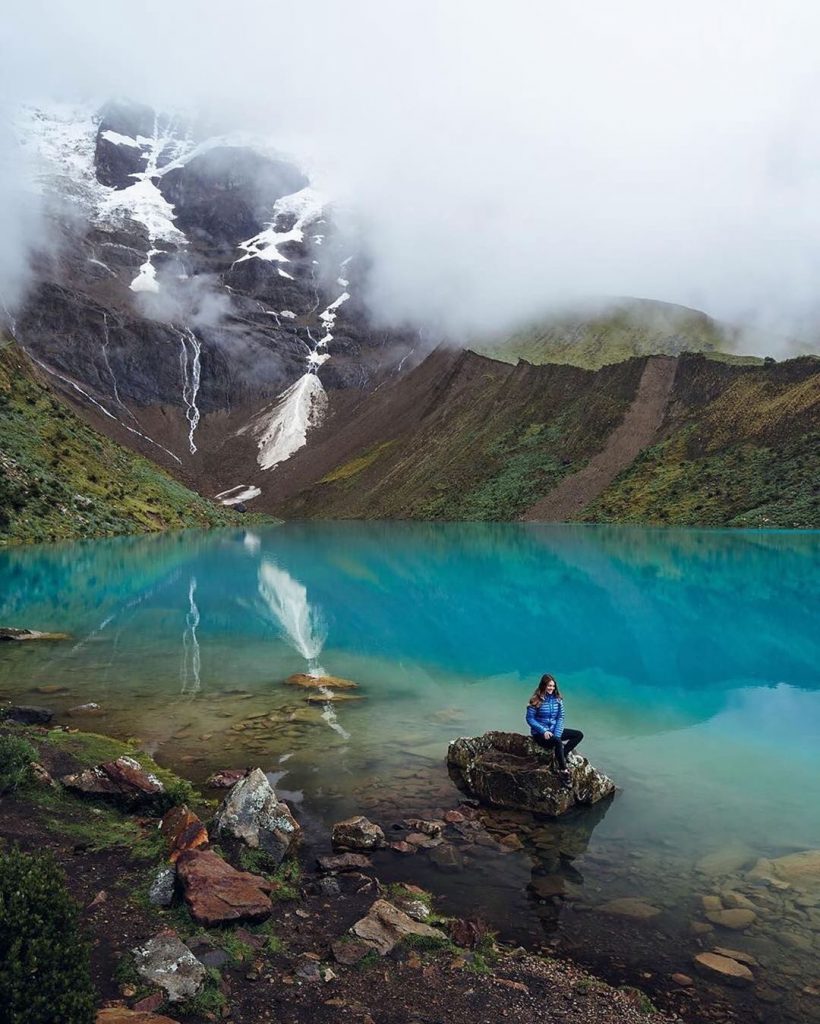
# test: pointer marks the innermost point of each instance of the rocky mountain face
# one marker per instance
(191, 298)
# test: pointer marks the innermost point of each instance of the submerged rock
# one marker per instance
(505, 769)
(356, 833)
(385, 926)
(723, 969)
(629, 906)
(165, 961)
(799, 869)
(10, 634)
(124, 779)
(216, 893)
(253, 814)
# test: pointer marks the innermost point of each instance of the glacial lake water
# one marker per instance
(689, 658)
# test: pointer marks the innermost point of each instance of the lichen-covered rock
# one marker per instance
(165, 961)
(356, 833)
(122, 780)
(161, 891)
(253, 814)
(505, 769)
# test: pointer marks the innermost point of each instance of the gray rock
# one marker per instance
(165, 961)
(385, 926)
(506, 769)
(253, 814)
(161, 892)
(328, 887)
(356, 833)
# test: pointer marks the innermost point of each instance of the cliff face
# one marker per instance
(187, 282)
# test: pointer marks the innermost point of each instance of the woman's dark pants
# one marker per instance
(570, 738)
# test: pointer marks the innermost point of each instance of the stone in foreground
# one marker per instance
(385, 926)
(723, 969)
(253, 814)
(182, 830)
(124, 779)
(165, 961)
(505, 769)
(216, 893)
(356, 833)
(120, 1015)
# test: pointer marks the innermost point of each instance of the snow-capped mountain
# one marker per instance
(192, 297)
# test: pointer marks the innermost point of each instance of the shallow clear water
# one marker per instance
(690, 659)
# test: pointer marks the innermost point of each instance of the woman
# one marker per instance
(545, 717)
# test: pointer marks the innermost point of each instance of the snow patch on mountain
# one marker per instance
(298, 409)
(305, 205)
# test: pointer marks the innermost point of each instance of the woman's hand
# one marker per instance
(547, 735)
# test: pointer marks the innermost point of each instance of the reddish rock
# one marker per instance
(182, 830)
(150, 1003)
(402, 847)
(454, 817)
(226, 778)
(120, 1015)
(327, 682)
(216, 893)
(124, 779)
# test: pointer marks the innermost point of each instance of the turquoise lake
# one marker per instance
(690, 659)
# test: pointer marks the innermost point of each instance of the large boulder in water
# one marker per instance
(505, 769)
(253, 814)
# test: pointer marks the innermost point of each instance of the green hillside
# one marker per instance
(466, 438)
(61, 479)
(749, 456)
(614, 333)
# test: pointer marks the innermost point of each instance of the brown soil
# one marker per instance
(636, 432)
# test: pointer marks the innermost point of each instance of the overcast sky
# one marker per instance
(499, 158)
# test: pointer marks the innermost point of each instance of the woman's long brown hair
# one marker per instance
(540, 694)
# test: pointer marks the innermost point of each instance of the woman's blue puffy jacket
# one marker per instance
(547, 717)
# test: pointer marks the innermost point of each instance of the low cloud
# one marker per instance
(496, 163)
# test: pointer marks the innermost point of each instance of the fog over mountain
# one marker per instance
(494, 163)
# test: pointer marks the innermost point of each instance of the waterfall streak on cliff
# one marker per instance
(191, 370)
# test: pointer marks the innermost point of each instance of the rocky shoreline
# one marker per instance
(200, 909)
(234, 879)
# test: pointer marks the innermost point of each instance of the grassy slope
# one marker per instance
(61, 479)
(740, 446)
(630, 328)
(496, 439)
(744, 450)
